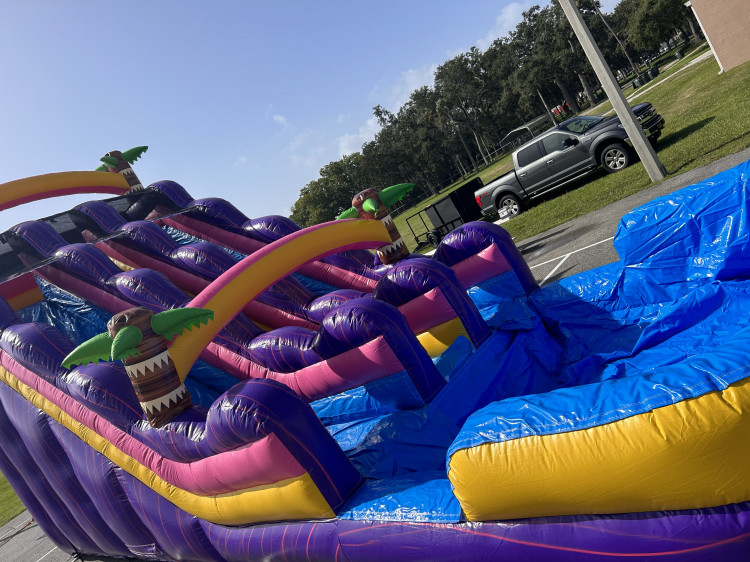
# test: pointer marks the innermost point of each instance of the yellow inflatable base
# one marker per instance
(692, 454)
(436, 340)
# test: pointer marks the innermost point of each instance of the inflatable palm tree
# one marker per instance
(121, 163)
(372, 204)
(139, 338)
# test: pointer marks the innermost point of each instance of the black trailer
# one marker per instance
(445, 214)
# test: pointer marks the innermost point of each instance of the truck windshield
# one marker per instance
(580, 124)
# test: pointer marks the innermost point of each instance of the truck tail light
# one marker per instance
(479, 200)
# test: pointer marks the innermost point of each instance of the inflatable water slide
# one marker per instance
(179, 381)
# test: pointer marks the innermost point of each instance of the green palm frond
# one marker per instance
(110, 161)
(96, 349)
(350, 213)
(391, 194)
(134, 154)
(125, 342)
(171, 323)
(370, 206)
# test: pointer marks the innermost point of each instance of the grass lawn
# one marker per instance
(494, 170)
(10, 505)
(707, 117)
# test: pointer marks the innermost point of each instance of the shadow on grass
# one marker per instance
(675, 137)
(704, 154)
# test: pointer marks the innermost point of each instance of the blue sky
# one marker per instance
(239, 99)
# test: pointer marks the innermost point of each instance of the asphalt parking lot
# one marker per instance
(586, 242)
(22, 540)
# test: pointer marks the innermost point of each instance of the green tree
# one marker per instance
(464, 87)
(322, 200)
(619, 24)
(656, 21)
(543, 46)
(424, 132)
(500, 60)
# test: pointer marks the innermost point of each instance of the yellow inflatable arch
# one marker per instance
(36, 188)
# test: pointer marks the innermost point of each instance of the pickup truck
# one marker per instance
(563, 153)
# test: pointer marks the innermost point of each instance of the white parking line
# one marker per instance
(15, 529)
(561, 259)
(50, 552)
(574, 252)
(554, 269)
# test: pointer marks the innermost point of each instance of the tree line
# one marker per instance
(459, 122)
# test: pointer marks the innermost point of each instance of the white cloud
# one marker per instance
(300, 140)
(347, 144)
(306, 150)
(392, 97)
(240, 160)
(506, 22)
(408, 81)
(281, 120)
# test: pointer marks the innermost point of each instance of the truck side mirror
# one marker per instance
(570, 141)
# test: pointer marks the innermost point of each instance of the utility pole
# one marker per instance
(549, 112)
(635, 67)
(635, 133)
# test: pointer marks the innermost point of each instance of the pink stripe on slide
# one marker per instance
(262, 462)
(327, 273)
(488, 263)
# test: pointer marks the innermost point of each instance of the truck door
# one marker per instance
(563, 161)
(531, 171)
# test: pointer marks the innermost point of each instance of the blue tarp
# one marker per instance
(668, 322)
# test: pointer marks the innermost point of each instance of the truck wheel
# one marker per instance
(433, 237)
(615, 157)
(509, 204)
